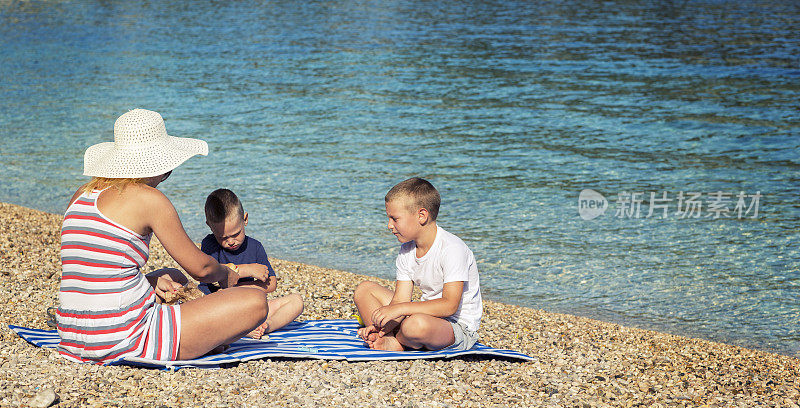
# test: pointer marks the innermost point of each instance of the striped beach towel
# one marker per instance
(318, 339)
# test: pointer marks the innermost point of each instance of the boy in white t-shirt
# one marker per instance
(449, 313)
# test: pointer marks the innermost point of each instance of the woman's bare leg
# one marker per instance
(220, 318)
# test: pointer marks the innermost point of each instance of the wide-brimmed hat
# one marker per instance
(141, 148)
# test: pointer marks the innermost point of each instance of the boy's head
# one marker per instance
(226, 218)
(411, 206)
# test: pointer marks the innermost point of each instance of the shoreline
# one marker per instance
(577, 361)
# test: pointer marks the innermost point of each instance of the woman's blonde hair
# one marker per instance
(99, 183)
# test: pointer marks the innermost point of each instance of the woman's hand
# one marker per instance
(166, 280)
(231, 276)
(163, 285)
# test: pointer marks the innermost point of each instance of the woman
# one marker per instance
(108, 309)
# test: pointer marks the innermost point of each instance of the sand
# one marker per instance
(577, 361)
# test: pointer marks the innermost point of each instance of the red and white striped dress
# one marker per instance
(107, 308)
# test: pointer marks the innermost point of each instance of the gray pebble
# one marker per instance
(43, 398)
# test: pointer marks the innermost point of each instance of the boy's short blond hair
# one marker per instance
(419, 193)
(221, 204)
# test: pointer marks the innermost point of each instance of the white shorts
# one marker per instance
(465, 338)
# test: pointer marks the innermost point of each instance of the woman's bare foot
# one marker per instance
(387, 343)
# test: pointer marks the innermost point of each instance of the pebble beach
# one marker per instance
(578, 362)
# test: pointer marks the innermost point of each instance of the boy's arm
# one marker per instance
(402, 294)
(255, 269)
(259, 266)
(442, 307)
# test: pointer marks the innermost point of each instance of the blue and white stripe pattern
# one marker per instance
(319, 339)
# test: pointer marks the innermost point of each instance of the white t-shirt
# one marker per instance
(448, 260)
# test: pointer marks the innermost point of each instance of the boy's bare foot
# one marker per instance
(259, 331)
(387, 343)
(370, 340)
(256, 333)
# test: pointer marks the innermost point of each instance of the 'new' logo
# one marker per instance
(591, 204)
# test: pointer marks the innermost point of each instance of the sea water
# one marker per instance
(681, 117)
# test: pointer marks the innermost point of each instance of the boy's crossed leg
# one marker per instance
(415, 331)
(282, 311)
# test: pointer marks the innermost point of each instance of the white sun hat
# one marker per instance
(141, 148)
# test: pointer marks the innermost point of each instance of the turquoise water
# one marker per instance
(313, 110)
